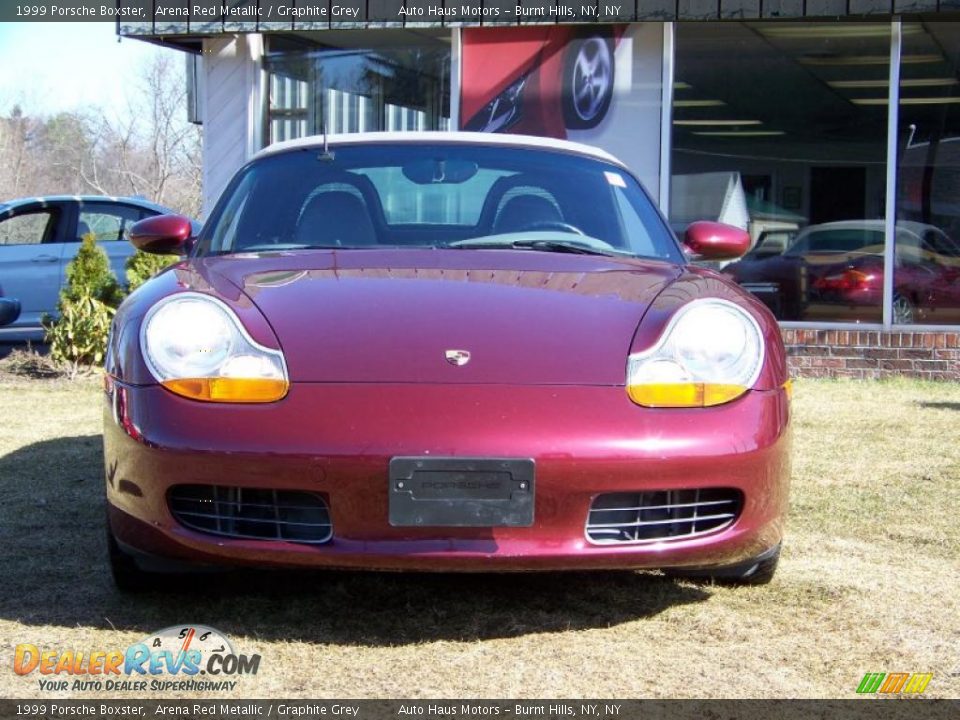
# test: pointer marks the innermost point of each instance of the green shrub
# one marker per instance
(87, 304)
(80, 334)
(142, 266)
(89, 275)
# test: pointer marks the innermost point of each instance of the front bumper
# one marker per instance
(337, 440)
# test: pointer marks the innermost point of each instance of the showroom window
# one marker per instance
(337, 80)
(926, 278)
(781, 129)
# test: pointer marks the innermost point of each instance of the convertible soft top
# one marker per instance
(474, 138)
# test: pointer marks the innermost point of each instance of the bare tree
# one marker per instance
(155, 150)
(15, 134)
(152, 151)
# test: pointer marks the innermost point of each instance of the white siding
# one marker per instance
(232, 109)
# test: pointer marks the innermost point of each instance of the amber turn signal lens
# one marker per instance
(684, 394)
(231, 390)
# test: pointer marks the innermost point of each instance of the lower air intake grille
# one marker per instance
(252, 514)
(662, 515)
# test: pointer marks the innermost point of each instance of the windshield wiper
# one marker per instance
(560, 246)
(568, 247)
(282, 247)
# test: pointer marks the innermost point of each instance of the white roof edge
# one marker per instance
(430, 136)
(62, 197)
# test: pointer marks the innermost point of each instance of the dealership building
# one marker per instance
(825, 128)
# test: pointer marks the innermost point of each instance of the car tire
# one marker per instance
(904, 312)
(588, 75)
(758, 571)
(128, 577)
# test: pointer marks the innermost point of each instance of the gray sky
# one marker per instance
(52, 67)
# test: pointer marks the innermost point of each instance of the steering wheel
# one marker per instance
(553, 225)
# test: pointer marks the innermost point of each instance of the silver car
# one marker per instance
(40, 236)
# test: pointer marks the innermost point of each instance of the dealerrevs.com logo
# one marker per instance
(894, 683)
(181, 658)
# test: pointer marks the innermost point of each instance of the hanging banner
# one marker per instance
(599, 85)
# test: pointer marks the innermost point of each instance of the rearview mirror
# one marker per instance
(9, 311)
(716, 241)
(432, 171)
(162, 235)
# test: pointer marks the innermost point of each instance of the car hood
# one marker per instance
(524, 317)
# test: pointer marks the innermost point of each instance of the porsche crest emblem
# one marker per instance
(457, 357)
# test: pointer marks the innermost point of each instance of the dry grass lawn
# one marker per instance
(869, 579)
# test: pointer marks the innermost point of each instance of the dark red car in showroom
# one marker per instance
(443, 351)
(834, 271)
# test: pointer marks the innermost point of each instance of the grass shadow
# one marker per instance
(55, 573)
(931, 405)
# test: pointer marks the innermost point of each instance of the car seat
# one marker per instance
(522, 211)
(336, 218)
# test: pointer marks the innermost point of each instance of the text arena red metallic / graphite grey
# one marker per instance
(443, 351)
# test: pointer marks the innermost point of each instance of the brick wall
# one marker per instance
(873, 354)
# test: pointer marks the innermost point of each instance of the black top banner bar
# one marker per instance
(203, 17)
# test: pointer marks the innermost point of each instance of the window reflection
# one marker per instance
(927, 272)
(781, 129)
(401, 84)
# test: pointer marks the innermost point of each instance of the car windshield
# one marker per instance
(936, 242)
(836, 241)
(457, 196)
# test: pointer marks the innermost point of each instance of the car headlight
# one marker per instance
(196, 347)
(710, 353)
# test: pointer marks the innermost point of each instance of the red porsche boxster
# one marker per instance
(443, 351)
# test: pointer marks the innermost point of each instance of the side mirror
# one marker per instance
(716, 241)
(163, 235)
(9, 311)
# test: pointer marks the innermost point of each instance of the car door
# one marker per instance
(110, 223)
(31, 249)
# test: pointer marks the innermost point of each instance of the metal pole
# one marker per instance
(666, 116)
(456, 76)
(890, 217)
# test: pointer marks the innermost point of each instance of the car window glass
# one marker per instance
(407, 203)
(633, 224)
(385, 195)
(907, 240)
(526, 190)
(847, 240)
(330, 187)
(28, 229)
(775, 242)
(107, 222)
(225, 235)
(941, 244)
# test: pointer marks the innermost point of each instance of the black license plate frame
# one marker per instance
(461, 492)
